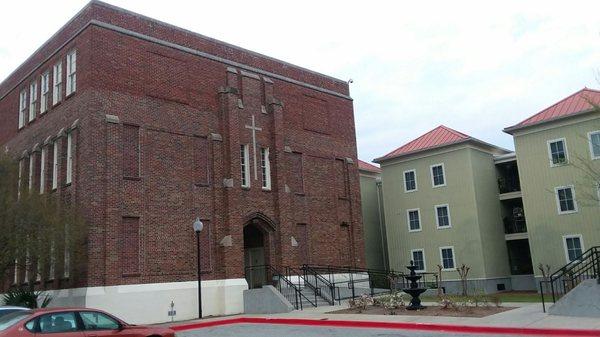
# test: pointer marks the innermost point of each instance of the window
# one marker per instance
(71, 68)
(418, 258)
(594, 138)
(442, 216)
(43, 156)
(410, 181)
(98, 321)
(245, 169)
(265, 165)
(414, 220)
(55, 165)
(31, 160)
(27, 265)
(52, 267)
(33, 91)
(67, 254)
(58, 322)
(69, 178)
(57, 83)
(437, 175)
(131, 151)
(573, 247)
(20, 179)
(447, 258)
(16, 272)
(22, 108)
(44, 88)
(557, 150)
(565, 199)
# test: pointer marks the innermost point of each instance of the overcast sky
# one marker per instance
(473, 66)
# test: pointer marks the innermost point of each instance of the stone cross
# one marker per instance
(254, 128)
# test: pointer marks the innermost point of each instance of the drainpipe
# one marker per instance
(382, 230)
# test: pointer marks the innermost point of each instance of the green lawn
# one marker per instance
(509, 296)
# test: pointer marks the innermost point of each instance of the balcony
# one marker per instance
(514, 225)
(509, 185)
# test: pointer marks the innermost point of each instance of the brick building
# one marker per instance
(148, 126)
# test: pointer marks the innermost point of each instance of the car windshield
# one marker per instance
(13, 318)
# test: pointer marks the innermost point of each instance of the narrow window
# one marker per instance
(43, 156)
(437, 175)
(594, 138)
(71, 69)
(16, 272)
(57, 84)
(38, 269)
(565, 198)
(45, 86)
(33, 91)
(557, 149)
(410, 181)
(442, 216)
(131, 151)
(418, 258)
(447, 257)
(22, 109)
(55, 165)
(69, 178)
(52, 264)
(20, 179)
(573, 247)
(31, 170)
(245, 170)
(27, 265)
(414, 220)
(67, 253)
(265, 165)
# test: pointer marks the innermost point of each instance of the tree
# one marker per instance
(38, 232)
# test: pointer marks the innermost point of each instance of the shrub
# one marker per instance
(26, 298)
(496, 300)
(360, 303)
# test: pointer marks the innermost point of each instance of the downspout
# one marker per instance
(382, 230)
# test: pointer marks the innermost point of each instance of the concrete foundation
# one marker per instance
(265, 300)
(582, 301)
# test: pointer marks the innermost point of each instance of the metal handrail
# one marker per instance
(329, 294)
(585, 266)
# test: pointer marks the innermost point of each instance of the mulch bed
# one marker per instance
(469, 311)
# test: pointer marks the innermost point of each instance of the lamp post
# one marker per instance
(198, 225)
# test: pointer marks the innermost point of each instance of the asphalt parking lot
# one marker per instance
(269, 330)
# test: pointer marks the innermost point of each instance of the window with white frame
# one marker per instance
(31, 160)
(594, 139)
(57, 83)
(447, 258)
(413, 217)
(71, 69)
(573, 247)
(437, 175)
(557, 150)
(69, 177)
(244, 163)
(442, 216)
(33, 92)
(55, 165)
(418, 258)
(43, 158)
(565, 199)
(22, 108)
(410, 181)
(265, 166)
(44, 91)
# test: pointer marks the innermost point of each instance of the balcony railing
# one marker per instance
(508, 184)
(514, 225)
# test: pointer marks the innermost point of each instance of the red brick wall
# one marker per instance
(180, 101)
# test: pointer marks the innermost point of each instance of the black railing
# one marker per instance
(271, 276)
(584, 267)
(514, 225)
(302, 283)
(351, 282)
(320, 285)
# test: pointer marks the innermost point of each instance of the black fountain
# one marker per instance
(414, 291)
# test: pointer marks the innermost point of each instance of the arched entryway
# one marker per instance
(257, 250)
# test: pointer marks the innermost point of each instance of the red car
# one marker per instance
(73, 322)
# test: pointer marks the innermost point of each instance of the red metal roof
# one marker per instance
(442, 135)
(577, 102)
(362, 165)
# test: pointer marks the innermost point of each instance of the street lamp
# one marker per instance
(198, 225)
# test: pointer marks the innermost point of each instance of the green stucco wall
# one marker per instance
(472, 195)
(372, 222)
(545, 225)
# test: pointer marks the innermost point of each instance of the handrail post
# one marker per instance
(352, 284)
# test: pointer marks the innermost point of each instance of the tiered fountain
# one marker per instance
(414, 291)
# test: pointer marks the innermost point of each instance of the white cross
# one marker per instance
(254, 128)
